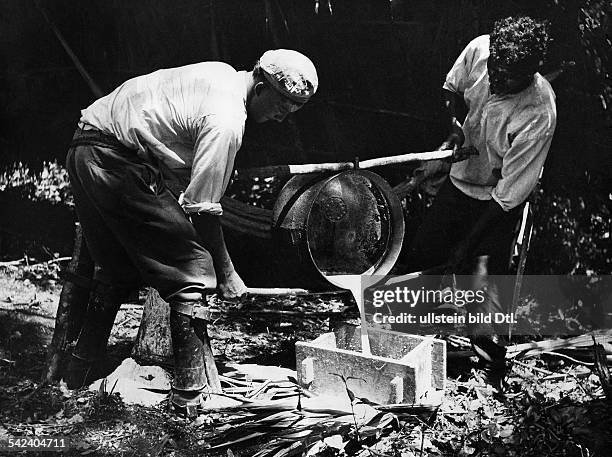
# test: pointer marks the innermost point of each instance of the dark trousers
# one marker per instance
(449, 220)
(137, 233)
(135, 229)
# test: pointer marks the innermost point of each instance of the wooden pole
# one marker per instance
(95, 89)
(410, 157)
(262, 291)
(280, 170)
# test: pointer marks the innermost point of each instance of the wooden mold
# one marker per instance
(402, 368)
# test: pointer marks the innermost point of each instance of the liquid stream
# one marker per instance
(353, 283)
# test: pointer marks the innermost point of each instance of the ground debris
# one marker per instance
(553, 405)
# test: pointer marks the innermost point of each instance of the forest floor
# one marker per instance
(553, 406)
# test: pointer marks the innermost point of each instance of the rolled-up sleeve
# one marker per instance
(522, 164)
(217, 140)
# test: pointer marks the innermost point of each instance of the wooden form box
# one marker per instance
(402, 368)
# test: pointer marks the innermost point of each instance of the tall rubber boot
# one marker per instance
(189, 366)
(84, 365)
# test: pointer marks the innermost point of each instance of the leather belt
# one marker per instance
(86, 134)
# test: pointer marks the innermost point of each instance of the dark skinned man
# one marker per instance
(510, 120)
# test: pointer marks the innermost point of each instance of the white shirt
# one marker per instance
(191, 118)
(512, 133)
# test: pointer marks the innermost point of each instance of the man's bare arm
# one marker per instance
(209, 228)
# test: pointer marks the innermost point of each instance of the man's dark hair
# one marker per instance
(519, 44)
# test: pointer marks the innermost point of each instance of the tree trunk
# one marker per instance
(72, 305)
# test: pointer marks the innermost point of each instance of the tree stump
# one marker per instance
(153, 345)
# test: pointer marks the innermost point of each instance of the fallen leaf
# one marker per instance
(63, 387)
(335, 441)
(76, 419)
(474, 405)
(507, 431)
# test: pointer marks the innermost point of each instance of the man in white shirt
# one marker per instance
(511, 118)
(148, 165)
